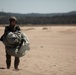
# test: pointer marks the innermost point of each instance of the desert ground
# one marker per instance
(52, 52)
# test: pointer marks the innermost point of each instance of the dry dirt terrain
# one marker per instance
(53, 52)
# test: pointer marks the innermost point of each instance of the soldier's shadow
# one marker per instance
(2, 68)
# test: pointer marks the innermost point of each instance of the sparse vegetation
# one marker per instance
(35, 19)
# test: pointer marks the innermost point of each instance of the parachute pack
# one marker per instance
(16, 43)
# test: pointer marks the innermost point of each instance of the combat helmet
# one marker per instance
(13, 18)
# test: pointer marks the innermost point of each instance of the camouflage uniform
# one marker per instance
(8, 29)
(11, 28)
(8, 57)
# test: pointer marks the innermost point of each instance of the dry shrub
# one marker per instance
(44, 28)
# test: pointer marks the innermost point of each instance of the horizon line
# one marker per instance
(38, 12)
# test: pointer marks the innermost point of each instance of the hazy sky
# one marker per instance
(37, 6)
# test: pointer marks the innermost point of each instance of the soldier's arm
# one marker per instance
(5, 31)
(18, 28)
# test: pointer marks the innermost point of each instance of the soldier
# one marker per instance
(11, 28)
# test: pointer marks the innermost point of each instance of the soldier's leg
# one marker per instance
(8, 60)
(16, 62)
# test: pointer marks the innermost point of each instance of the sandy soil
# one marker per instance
(53, 52)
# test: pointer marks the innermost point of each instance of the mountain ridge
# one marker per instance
(39, 18)
(37, 14)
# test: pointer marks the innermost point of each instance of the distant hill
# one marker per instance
(38, 18)
(37, 14)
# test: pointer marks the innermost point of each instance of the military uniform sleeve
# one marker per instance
(18, 28)
(5, 32)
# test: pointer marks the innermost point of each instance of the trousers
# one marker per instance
(8, 61)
